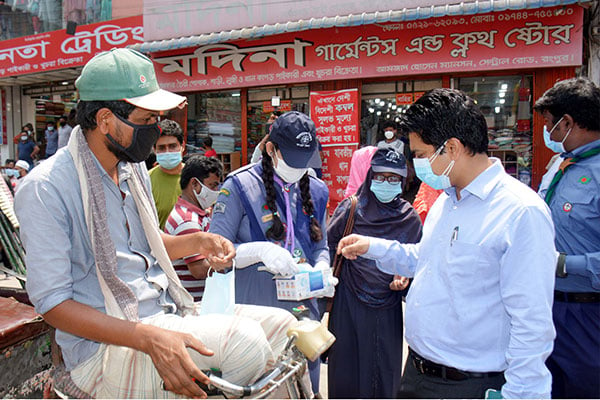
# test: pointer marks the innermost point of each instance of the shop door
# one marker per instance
(506, 103)
(260, 108)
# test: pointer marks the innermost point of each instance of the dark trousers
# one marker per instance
(575, 360)
(415, 385)
(365, 361)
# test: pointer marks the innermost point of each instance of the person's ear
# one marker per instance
(195, 185)
(568, 121)
(104, 118)
(454, 148)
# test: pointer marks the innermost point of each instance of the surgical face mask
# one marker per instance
(385, 191)
(425, 173)
(219, 294)
(50, 128)
(557, 147)
(12, 172)
(388, 134)
(144, 137)
(287, 173)
(207, 197)
(169, 160)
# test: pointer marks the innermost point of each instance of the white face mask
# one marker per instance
(388, 134)
(287, 173)
(207, 197)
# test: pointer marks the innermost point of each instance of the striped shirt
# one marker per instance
(187, 218)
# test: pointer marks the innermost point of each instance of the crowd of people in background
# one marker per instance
(501, 284)
(32, 149)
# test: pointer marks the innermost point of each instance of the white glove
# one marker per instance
(276, 259)
(324, 265)
(329, 281)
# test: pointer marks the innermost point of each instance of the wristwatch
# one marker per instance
(561, 265)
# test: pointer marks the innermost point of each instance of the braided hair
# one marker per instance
(316, 234)
(277, 230)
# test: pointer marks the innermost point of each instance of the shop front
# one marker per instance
(504, 60)
(37, 73)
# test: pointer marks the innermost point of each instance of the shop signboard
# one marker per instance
(335, 115)
(285, 106)
(512, 39)
(406, 99)
(55, 50)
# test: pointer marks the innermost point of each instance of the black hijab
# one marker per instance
(396, 220)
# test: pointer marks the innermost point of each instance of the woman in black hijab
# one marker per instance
(366, 318)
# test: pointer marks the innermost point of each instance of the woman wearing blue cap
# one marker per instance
(366, 318)
(275, 214)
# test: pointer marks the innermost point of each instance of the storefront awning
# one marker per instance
(43, 78)
(406, 14)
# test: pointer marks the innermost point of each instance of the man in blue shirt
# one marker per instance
(98, 267)
(27, 149)
(51, 136)
(571, 111)
(479, 311)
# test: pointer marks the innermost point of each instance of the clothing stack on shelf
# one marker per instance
(515, 152)
(46, 111)
(508, 139)
(197, 130)
(522, 143)
(501, 139)
(222, 134)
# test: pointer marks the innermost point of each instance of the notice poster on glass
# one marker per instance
(335, 114)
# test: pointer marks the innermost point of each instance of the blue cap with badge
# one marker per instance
(389, 160)
(294, 133)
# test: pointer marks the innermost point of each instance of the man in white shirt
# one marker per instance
(64, 132)
(479, 311)
(391, 138)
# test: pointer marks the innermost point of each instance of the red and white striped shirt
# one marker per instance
(186, 218)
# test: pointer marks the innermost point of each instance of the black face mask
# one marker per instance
(62, 123)
(144, 138)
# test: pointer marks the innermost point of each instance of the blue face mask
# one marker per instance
(425, 173)
(12, 172)
(169, 160)
(385, 191)
(557, 147)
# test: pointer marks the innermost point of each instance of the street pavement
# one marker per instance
(323, 382)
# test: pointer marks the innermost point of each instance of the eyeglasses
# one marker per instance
(392, 179)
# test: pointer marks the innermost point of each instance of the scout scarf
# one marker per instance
(567, 162)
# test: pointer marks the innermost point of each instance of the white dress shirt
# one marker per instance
(481, 300)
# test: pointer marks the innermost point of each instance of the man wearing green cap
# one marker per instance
(99, 268)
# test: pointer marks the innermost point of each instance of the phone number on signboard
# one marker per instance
(478, 19)
(535, 14)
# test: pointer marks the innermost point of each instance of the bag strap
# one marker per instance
(338, 259)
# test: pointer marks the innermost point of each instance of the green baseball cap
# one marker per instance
(124, 74)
